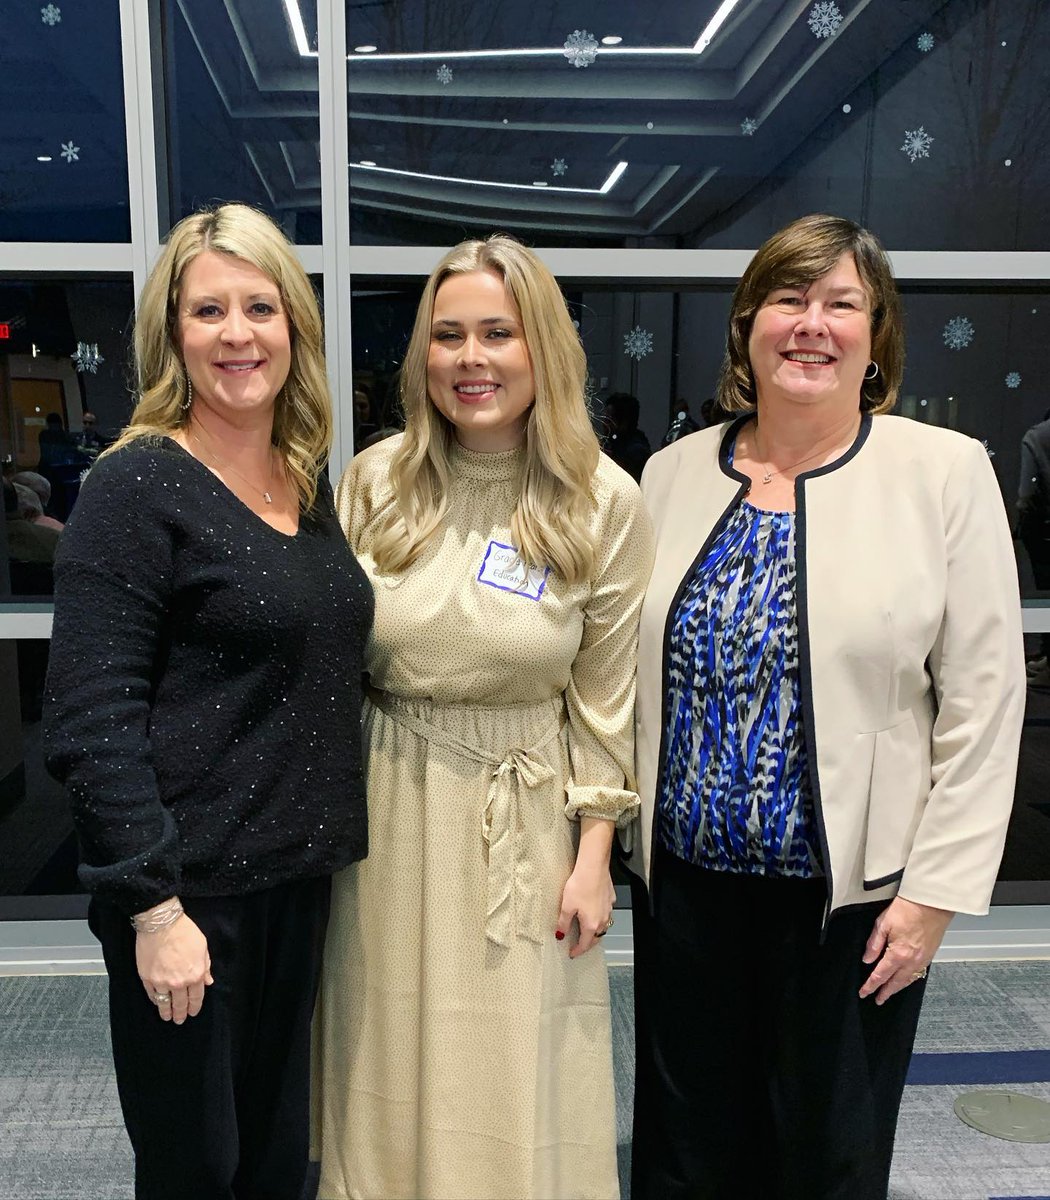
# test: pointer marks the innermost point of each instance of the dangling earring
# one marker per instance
(189, 395)
(874, 374)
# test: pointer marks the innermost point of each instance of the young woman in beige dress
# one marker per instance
(464, 1030)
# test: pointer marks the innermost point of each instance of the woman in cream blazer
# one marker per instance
(781, 971)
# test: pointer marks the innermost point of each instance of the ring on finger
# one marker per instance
(162, 997)
(919, 974)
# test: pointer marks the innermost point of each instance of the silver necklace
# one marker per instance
(767, 477)
(769, 474)
(225, 466)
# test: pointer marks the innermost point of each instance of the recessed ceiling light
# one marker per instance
(365, 49)
(43, 158)
(367, 162)
(611, 40)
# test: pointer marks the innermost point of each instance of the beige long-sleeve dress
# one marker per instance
(461, 1052)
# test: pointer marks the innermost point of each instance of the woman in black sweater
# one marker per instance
(204, 710)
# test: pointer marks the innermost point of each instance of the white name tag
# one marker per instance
(502, 568)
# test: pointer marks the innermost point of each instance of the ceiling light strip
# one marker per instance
(295, 19)
(713, 26)
(607, 186)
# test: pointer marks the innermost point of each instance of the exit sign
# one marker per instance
(5, 332)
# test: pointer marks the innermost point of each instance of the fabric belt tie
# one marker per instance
(506, 820)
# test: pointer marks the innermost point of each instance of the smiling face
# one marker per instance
(812, 343)
(234, 335)
(479, 375)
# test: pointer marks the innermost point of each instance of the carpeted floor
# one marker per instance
(61, 1135)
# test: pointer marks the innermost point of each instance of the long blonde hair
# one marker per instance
(550, 524)
(302, 425)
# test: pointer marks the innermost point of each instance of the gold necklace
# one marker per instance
(264, 492)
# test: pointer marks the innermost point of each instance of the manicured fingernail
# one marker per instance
(559, 935)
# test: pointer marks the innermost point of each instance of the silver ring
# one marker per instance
(162, 997)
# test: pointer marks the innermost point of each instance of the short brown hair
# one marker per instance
(795, 256)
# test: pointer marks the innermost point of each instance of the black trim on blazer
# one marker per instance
(805, 664)
(871, 885)
(723, 461)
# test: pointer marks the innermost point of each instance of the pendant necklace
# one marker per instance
(770, 473)
(266, 493)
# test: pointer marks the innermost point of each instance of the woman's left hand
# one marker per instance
(906, 936)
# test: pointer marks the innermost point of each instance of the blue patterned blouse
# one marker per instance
(736, 793)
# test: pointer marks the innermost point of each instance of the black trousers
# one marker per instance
(760, 1073)
(218, 1108)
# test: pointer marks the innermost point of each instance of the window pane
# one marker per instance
(241, 109)
(36, 830)
(63, 396)
(63, 148)
(1027, 855)
(924, 120)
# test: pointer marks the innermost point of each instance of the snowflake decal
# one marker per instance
(444, 74)
(87, 357)
(917, 143)
(70, 152)
(581, 48)
(51, 14)
(748, 126)
(925, 42)
(559, 166)
(638, 343)
(824, 19)
(1013, 379)
(958, 333)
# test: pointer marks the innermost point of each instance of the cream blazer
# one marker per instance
(911, 659)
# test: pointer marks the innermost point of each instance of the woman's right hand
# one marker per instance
(174, 962)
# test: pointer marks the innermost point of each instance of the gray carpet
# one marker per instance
(61, 1135)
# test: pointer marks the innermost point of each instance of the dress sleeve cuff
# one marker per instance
(603, 803)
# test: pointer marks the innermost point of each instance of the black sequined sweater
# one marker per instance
(204, 688)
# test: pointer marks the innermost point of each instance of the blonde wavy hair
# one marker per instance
(302, 425)
(797, 255)
(550, 524)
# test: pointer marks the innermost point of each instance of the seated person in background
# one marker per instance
(624, 442)
(364, 419)
(29, 506)
(380, 435)
(38, 484)
(29, 568)
(89, 439)
(57, 445)
(1032, 527)
(681, 424)
(26, 542)
(713, 413)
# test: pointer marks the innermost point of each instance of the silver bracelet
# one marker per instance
(158, 918)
